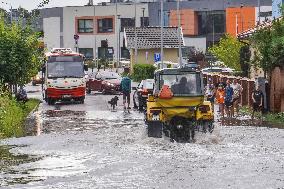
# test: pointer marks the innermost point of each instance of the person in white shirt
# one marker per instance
(237, 88)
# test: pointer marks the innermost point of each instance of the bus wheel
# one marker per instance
(50, 101)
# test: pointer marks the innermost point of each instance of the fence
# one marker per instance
(277, 90)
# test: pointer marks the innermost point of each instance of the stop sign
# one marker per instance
(76, 37)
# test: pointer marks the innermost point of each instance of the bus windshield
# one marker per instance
(59, 67)
(188, 84)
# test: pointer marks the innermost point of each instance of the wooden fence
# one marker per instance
(277, 90)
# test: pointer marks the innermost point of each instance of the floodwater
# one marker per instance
(88, 146)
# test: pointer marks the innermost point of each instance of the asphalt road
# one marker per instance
(89, 146)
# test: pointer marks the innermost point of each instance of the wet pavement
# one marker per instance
(89, 146)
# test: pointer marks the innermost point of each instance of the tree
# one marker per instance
(19, 54)
(228, 51)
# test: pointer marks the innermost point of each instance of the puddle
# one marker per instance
(8, 166)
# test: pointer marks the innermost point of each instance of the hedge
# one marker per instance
(143, 71)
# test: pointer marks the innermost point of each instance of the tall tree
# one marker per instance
(19, 54)
(228, 51)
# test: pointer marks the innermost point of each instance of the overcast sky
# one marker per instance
(31, 4)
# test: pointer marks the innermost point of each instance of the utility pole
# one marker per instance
(242, 19)
(179, 34)
(213, 28)
(258, 4)
(118, 49)
(135, 32)
(162, 33)
(117, 32)
(95, 37)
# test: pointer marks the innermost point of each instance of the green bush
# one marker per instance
(143, 71)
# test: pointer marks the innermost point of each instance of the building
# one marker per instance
(203, 23)
(95, 25)
(149, 43)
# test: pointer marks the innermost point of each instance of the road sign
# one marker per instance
(157, 57)
(76, 37)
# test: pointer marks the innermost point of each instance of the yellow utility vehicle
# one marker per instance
(177, 107)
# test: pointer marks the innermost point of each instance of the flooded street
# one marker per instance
(88, 146)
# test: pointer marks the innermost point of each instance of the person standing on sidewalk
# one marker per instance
(126, 90)
(210, 92)
(257, 98)
(220, 98)
(237, 88)
(229, 99)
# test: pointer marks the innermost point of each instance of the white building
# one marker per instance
(94, 25)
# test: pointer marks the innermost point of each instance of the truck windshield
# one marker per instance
(65, 66)
(188, 84)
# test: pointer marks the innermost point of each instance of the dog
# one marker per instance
(113, 102)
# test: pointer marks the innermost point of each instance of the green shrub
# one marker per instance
(143, 71)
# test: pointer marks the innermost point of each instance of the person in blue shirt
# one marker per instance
(126, 90)
(229, 92)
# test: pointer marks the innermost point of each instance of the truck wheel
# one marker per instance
(155, 129)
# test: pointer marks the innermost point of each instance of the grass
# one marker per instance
(270, 117)
(13, 115)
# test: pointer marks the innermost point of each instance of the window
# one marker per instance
(126, 22)
(166, 17)
(105, 52)
(105, 25)
(85, 26)
(125, 53)
(144, 21)
(87, 52)
(206, 20)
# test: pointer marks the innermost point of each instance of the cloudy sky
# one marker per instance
(31, 4)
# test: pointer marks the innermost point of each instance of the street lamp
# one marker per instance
(11, 14)
(242, 19)
(143, 10)
(118, 49)
(162, 33)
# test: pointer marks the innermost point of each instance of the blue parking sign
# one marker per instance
(157, 57)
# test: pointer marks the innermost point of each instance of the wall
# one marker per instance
(169, 55)
(198, 42)
(240, 19)
(189, 21)
(262, 9)
(51, 28)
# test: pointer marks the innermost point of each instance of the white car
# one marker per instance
(217, 70)
(167, 64)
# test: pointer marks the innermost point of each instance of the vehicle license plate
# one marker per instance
(66, 96)
(155, 117)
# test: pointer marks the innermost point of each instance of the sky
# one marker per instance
(31, 4)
